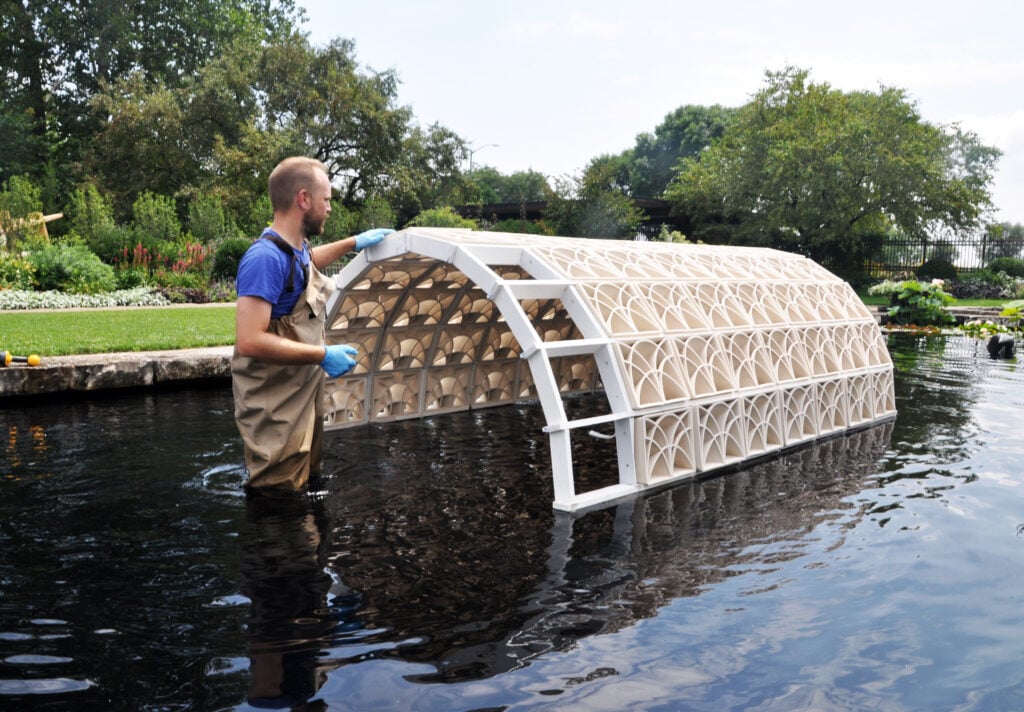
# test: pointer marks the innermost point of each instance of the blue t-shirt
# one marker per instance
(263, 273)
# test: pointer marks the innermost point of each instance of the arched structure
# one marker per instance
(706, 355)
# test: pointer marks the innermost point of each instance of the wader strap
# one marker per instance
(290, 251)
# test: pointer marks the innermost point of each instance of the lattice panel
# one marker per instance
(346, 401)
(789, 355)
(495, 383)
(753, 362)
(576, 374)
(721, 434)
(449, 389)
(624, 308)
(799, 413)
(677, 306)
(405, 348)
(396, 395)
(833, 406)
(765, 426)
(666, 449)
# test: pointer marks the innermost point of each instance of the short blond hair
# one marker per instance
(289, 177)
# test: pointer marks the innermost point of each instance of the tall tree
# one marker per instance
(57, 54)
(653, 162)
(811, 169)
(594, 204)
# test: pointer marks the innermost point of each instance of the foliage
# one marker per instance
(440, 217)
(491, 186)
(154, 219)
(593, 205)
(985, 284)
(18, 200)
(1014, 312)
(980, 328)
(71, 268)
(376, 212)
(1010, 265)
(15, 299)
(58, 333)
(1003, 240)
(91, 216)
(667, 235)
(651, 164)
(207, 221)
(227, 256)
(525, 227)
(936, 268)
(57, 55)
(915, 303)
(810, 169)
(15, 273)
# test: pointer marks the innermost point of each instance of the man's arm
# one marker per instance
(323, 255)
(252, 319)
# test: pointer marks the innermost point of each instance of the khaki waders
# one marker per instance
(279, 408)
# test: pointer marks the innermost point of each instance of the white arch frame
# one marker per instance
(695, 347)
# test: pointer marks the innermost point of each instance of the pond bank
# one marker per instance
(67, 375)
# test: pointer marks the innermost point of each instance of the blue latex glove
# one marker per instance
(371, 237)
(338, 360)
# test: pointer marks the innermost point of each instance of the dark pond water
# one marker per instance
(427, 570)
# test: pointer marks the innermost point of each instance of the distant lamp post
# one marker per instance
(473, 151)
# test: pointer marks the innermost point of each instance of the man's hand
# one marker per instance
(371, 237)
(338, 360)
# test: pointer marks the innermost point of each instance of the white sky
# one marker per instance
(556, 83)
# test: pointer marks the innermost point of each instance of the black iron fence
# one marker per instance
(900, 256)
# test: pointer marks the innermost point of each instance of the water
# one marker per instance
(427, 570)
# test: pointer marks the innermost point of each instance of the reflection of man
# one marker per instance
(280, 346)
(293, 615)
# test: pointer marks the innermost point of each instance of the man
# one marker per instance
(280, 352)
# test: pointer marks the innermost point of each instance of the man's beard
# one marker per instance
(312, 227)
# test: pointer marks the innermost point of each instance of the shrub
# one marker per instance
(91, 216)
(915, 303)
(937, 268)
(71, 268)
(110, 242)
(440, 217)
(16, 273)
(983, 284)
(18, 199)
(154, 218)
(227, 256)
(207, 221)
(518, 225)
(1010, 265)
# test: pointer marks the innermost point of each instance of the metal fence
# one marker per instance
(899, 256)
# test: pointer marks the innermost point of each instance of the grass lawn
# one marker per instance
(67, 332)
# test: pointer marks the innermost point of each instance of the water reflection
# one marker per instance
(293, 611)
(465, 568)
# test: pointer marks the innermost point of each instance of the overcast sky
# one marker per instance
(555, 83)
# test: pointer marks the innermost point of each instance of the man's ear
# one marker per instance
(303, 199)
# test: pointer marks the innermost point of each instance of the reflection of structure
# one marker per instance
(707, 356)
(474, 575)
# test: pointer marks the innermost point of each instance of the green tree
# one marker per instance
(684, 133)
(807, 168)
(519, 187)
(19, 198)
(440, 217)
(1002, 240)
(594, 204)
(58, 54)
